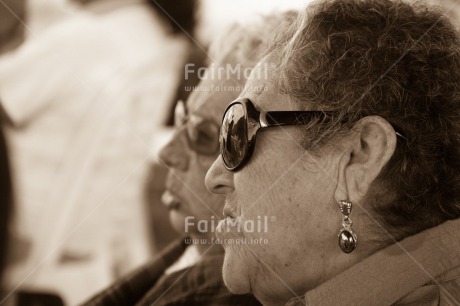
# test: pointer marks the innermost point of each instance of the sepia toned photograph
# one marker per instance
(229, 152)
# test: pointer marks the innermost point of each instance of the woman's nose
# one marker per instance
(219, 179)
(173, 154)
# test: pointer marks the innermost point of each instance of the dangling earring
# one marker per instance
(347, 238)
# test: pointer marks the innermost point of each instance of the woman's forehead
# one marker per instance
(261, 88)
(209, 105)
(266, 96)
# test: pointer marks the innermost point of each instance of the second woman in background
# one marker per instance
(189, 272)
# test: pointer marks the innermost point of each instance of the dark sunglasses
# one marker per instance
(202, 134)
(242, 121)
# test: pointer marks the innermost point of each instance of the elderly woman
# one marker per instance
(361, 121)
(189, 272)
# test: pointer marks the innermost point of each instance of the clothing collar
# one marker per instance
(390, 274)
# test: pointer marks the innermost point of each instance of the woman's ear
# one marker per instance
(371, 145)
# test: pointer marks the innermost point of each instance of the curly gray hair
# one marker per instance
(399, 61)
(245, 43)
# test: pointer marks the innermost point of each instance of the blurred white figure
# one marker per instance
(84, 98)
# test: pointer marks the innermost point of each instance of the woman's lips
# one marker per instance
(228, 226)
(221, 229)
(228, 212)
(231, 206)
(169, 200)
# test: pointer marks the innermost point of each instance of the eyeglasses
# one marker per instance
(242, 121)
(202, 134)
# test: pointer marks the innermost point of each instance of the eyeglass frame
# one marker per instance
(180, 111)
(261, 120)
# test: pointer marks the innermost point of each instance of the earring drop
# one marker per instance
(347, 238)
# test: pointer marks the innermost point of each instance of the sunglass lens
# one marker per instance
(234, 136)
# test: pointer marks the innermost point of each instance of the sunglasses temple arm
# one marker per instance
(280, 118)
(270, 119)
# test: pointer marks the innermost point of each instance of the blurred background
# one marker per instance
(87, 90)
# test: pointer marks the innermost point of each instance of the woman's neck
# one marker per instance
(206, 245)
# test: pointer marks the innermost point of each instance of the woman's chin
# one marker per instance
(177, 219)
(235, 276)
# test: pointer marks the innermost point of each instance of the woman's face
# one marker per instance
(293, 191)
(186, 196)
